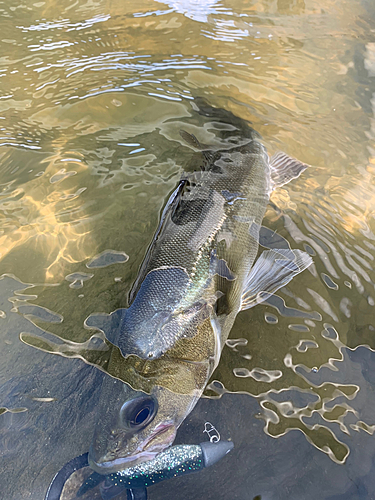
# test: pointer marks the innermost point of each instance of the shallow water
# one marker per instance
(92, 98)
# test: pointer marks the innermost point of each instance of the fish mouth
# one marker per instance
(162, 437)
(166, 432)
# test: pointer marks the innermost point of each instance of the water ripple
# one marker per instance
(65, 24)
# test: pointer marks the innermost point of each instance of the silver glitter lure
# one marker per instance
(175, 461)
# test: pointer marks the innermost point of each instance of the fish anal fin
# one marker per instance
(284, 168)
(274, 269)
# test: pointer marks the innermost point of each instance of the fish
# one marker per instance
(201, 270)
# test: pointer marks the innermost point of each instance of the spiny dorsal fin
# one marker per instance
(191, 139)
(284, 168)
(208, 155)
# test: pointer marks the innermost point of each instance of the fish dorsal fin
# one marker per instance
(190, 139)
(273, 270)
(169, 209)
(284, 168)
(208, 155)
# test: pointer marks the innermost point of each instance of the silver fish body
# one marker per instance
(197, 275)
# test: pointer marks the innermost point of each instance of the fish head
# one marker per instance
(133, 426)
(152, 328)
(139, 418)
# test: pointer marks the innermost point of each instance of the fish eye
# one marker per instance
(139, 412)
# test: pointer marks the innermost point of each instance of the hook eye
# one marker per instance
(138, 413)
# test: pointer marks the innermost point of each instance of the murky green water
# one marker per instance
(92, 98)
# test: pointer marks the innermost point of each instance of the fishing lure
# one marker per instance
(176, 461)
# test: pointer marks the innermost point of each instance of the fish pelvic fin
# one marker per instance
(284, 169)
(274, 269)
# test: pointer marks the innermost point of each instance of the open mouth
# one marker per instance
(162, 437)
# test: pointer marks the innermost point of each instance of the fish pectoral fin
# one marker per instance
(284, 168)
(273, 270)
